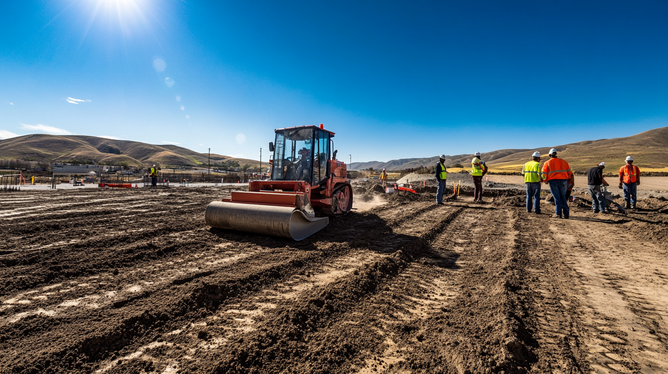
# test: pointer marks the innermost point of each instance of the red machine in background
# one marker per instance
(307, 186)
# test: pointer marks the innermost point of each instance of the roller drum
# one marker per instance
(286, 222)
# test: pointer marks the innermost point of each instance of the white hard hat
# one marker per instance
(536, 154)
(553, 151)
(629, 158)
(601, 164)
(477, 154)
(153, 165)
(442, 157)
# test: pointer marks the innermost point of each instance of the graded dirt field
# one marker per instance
(133, 281)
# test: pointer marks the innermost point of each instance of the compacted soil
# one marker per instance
(133, 281)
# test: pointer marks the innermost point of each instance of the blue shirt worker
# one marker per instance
(532, 179)
(441, 177)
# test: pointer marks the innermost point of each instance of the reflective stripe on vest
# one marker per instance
(630, 176)
(531, 172)
(476, 170)
(444, 173)
(556, 168)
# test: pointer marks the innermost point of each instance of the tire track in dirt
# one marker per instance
(83, 345)
(624, 301)
(299, 331)
(483, 329)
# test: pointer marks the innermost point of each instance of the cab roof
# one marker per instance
(305, 127)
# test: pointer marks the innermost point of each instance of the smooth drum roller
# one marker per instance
(288, 222)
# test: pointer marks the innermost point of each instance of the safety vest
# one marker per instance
(154, 171)
(630, 173)
(383, 175)
(556, 168)
(531, 172)
(476, 170)
(443, 175)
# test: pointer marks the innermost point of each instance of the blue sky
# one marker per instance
(393, 79)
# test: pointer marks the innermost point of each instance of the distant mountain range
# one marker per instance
(649, 150)
(64, 148)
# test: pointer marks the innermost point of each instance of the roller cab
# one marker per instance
(307, 186)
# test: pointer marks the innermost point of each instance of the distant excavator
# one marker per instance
(307, 186)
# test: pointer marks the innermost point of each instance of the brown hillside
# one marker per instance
(59, 148)
(649, 150)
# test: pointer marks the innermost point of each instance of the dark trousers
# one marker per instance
(154, 180)
(598, 202)
(533, 196)
(477, 191)
(630, 191)
(440, 191)
(558, 187)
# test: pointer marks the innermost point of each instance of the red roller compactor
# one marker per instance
(307, 186)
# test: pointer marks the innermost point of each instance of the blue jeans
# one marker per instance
(533, 193)
(630, 190)
(598, 202)
(440, 191)
(558, 187)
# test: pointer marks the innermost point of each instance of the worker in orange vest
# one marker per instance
(629, 177)
(557, 172)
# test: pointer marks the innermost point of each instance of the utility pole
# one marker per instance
(261, 173)
(350, 165)
(209, 166)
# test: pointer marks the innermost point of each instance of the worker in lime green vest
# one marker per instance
(478, 169)
(441, 176)
(532, 179)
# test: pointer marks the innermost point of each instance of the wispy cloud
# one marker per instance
(10, 103)
(44, 128)
(72, 100)
(4, 134)
(170, 142)
(109, 137)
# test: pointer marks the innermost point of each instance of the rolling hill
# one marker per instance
(63, 148)
(649, 149)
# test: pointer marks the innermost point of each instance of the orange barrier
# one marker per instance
(116, 185)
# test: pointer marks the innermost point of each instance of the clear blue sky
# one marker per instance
(393, 79)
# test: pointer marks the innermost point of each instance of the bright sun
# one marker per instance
(123, 15)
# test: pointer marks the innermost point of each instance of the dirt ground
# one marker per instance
(133, 281)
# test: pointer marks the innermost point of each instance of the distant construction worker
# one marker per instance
(532, 179)
(441, 177)
(557, 172)
(153, 172)
(478, 170)
(629, 176)
(383, 177)
(594, 181)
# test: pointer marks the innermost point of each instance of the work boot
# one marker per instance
(633, 205)
(627, 205)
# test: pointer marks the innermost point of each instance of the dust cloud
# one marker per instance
(363, 206)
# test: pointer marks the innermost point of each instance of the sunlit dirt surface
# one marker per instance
(133, 281)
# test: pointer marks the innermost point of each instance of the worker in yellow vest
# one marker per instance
(153, 172)
(441, 177)
(478, 169)
(383, 177)
(532, 179)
